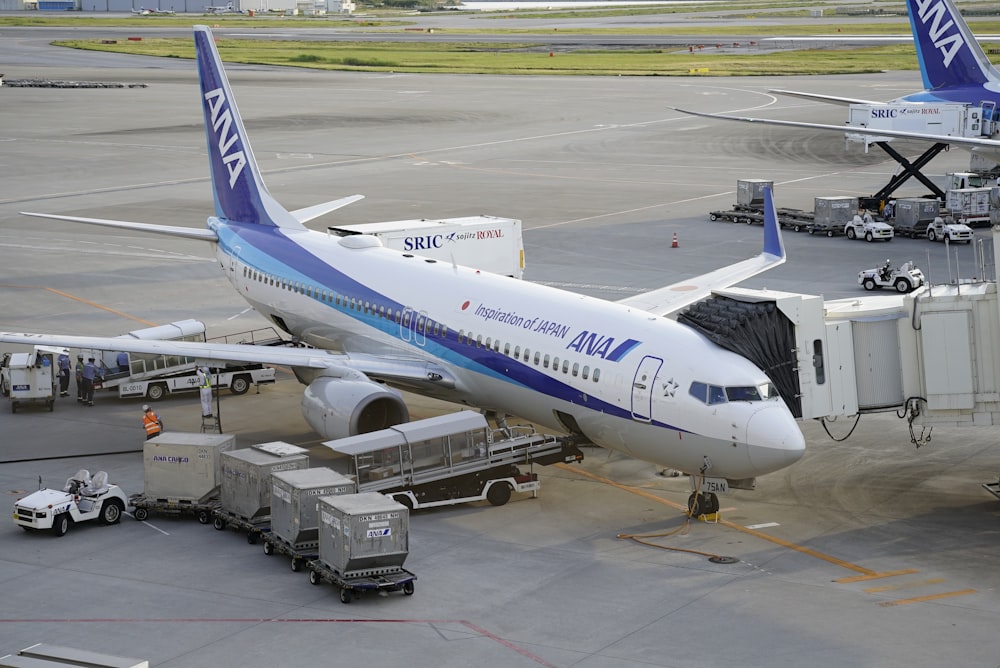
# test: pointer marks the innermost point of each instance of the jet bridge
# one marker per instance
(931, 355)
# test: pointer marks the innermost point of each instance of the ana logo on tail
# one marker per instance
(948, 44)
(222, 123)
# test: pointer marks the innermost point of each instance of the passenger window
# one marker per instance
(537, 357)
(597, 375)
(545, 362)
(496, 346)
(517, 352)
(489, 341)
(576, 369)
(565, 366)
(506, 349)
(479, 341)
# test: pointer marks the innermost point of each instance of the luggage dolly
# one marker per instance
(351, 587)
(300, 555)
(143, 506)
(224, 518)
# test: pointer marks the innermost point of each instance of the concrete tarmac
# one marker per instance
(868, 552)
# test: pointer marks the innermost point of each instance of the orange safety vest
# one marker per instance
(151, 422)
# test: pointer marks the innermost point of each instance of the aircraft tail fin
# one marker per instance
(948, 52)
(240, 193)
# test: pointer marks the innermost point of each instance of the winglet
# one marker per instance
(240, 194)
(948, 52)
(773, 245)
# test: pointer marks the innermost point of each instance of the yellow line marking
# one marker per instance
(876, 576)
(904, 585)
(737, 527)
(932, 597)
(82, 301)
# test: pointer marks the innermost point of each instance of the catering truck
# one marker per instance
(481, 242)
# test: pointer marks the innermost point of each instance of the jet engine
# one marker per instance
(336, 408)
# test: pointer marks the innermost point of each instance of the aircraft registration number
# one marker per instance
(715, 486)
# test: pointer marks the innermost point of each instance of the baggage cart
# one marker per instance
(223, 519)
(351, 587)
(300, 553)
(144, 505)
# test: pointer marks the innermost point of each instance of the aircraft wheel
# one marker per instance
(702, 504)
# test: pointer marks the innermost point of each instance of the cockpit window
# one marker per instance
(716, 394)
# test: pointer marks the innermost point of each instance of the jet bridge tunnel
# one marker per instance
(932, 355)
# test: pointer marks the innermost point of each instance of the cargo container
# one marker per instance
(750, 192)
(831, 214)
(182, 466)
(362, 535)
(246, 479)
(914, 214)
(970, 206)
(294, 503)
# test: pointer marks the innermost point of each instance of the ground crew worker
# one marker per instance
(64, 370)
(205, 385)
(89, 375)
(151, 422)
(79, 378)
(122, 360)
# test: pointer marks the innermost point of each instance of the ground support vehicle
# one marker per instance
(351, 587)
(299, 554)
(946, 229)
(904, 278)
(237, 379)
(82, 499)
(143, 506)
(869, 230)
(31, 378)
(223, 519)
(451, 459)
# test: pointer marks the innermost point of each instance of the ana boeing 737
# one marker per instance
(619, 375)
(954, 70)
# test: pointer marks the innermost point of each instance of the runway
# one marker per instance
(868, 552)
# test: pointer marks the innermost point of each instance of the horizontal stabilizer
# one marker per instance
(315, 211)
(168, 230)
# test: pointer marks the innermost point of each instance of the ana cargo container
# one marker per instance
(832, 214)
(294, 510)
(970, 206)
(363, 541)
(245, 495)
(182, 473)
(750, 192)
(913, 215)
(482, 242)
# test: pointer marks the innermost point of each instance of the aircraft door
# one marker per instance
(235, 273)
(405, 323)
(989, 117)
(642, 388)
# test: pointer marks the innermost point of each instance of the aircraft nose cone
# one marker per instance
(774, 439)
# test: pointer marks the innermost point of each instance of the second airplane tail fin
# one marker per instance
(240, 193)
(948, 52)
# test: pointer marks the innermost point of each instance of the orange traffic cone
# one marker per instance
(674, 244)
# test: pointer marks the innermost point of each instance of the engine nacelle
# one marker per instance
(337, 408)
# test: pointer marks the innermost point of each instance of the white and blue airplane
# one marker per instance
(954, 69)
(619, 375)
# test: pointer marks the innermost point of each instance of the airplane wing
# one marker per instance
(317, 210)
(829, 99)
(411, 372)
(666, 300)
(981, 145)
